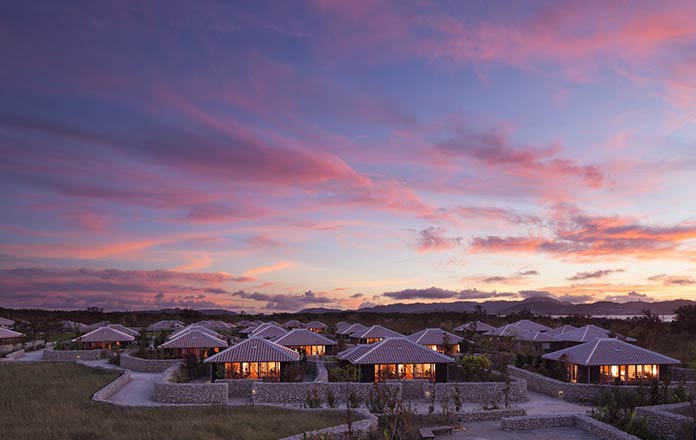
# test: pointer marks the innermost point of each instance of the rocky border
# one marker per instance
(489, 414)
(669, 422)
(146, 365)
(71, 355)
(112, 387)
(580, 421)
(360, 429)
(167, 391)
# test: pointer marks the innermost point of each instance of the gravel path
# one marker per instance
(543, 404)
(137, 392)
(492, 431)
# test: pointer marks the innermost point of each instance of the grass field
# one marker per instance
(47, 401)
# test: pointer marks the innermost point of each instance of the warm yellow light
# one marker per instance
(615, 370)
(654, 370)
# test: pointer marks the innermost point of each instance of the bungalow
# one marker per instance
(105, 337)
(8, 337)
(293, 323)
(248, 330)
(208, 331)
(354, 328)
(397, 358)
(306, 342)
(509, 331)
(215, 325)
(124, 329)
(98, 325)
(474, 326)
(531, 325)
(558, 331)
(437, 339)
(315, 326)
(77, 327)
(4, 322)
(166, 325)
(611, 361)
(245, 323)
(253, 358)
(268, 331)
(589, 333)
(194, 342)
(374, 334)
(342, 325)
(543, 340)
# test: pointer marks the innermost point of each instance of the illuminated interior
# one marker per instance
(404, 372)
(628, 374)
(252, 370)
(310, 350)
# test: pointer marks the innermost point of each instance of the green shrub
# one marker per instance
(475, 368)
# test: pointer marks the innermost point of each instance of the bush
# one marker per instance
(349, 373)
(314, 398)
(475, 368)
(331, 399)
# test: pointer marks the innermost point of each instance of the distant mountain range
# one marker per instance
(539, 306)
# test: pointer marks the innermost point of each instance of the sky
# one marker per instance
(271, 156)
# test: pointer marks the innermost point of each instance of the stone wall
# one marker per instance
(360, 429)
(669, 422)
(678, 374)
(238, 388)
(167, 391)
(146, 365)
(113, 387)
(586, 423)
(71, 355)
(573, 392)
(297, 392)
(492, 414)
(480, 392)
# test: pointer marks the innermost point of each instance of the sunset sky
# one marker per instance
(275, 155)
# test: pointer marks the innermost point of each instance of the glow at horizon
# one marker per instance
(273, 156)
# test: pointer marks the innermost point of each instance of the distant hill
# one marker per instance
(538, 305)
(320, 310)
(211, 312)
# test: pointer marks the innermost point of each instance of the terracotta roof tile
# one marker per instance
(610, 351)
(434, 336)
(256, 350)
(393, 351)
(301, 336)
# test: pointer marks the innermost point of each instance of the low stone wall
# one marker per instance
(113, 387)
(188, 393)
(15, 354)
(296, 392)
(414, 389)
(238, 388)
(669, 422)
(71, 355)
(480, 392)
(573, 392)
(586, 423)
(679, 373)
(146, 365)
(359, 430)
(492, 414)
(526, 423)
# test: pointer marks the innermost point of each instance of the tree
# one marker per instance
(685, 319)
(475, 367)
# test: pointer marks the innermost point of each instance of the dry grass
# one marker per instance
(47, 401)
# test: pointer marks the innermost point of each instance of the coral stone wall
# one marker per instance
(113, 387)
(669, 422)
(359, 430)
(678, 374)
(189, 393)
(297, 392)
(71, 355)
(238, 388)
(146, 365)
(586, 423)
(480, 391)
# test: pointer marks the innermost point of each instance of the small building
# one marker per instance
(244, 323)
(589, 333)
(396, 359)
(531, 325)
(374, 334)
(306, 342)
(508, 331)
(474, 326)
(9, 337)
(105, 337)
(166, 325)
(124, 329)
(610, 361)
(437, 339)
(214, 324)
(354, 328)
(559, 331)
(342, 325)
(76, 327)
(268, 331)
(253, 358)
(542, 340)
(315, 326)
(7, 323)
(194, 342)
(293, 323)
(206, 330)
(98, 325)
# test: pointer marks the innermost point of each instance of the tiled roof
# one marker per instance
(293, 323)
(268, 331)
(531, 325)
(561, 330)
(256, 350)
(98, 325)
(245, 323)
(589, 333)
(508, 330)
(537, 337)
(376, 331)
(249, 329)
(342, 325)
(315, 324)
(301, 336)
(258, 322)
(353, 329)
(610, 351)
(6, 333)
(77, 326)
(474, 326)
(393, 351)
(124, 329)
(434, 336)
(106, 334)
(206, 330)
(166, 325)
(214, 324)
(194, 339)
(4, 322)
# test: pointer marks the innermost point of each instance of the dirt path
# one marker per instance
(137, 392)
